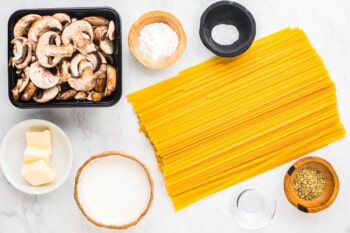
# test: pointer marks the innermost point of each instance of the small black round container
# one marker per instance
(230, 13)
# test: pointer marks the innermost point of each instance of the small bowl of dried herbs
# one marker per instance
(311, 184)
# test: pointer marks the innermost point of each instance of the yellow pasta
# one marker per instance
(228, 119)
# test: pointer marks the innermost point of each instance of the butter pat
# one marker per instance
(36, 169)
(38, 173)
(32, 154)
(39, 139)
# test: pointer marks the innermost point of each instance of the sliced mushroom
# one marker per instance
(86, 82)
(106, 46)
(81, 34)
(101, 81)
(111, 30)
(22, 26)
(81, 95)
(100, 33)
(63, 18)
(101, 72)
(102, 57)
(96, 20)
(21, 84)
(44, 96)
(42, 77)
(93, 58)
(29, 92)
(66, 95)
(22, 51)
(84, 64)
(94, 96)
(42, 25)
(74, 66)
(111, 80)
(64, 71)
(49, 50)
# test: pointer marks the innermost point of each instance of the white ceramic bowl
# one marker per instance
(12, 152)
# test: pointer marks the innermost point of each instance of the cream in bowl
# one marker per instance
(113, 190)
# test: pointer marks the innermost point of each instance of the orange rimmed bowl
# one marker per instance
(326, 197)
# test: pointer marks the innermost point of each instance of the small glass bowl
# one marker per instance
(252, 207)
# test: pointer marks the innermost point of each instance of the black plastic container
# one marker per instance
(108, 13)
(230, 13)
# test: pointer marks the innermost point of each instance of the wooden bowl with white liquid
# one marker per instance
(113, 190)
(157, 39)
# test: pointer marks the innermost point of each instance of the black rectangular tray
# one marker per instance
(108, 13)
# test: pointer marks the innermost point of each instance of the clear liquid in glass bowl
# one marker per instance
(253, 207)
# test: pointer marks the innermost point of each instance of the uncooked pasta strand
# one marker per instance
(234, 121)
(173, 166)
(157, 96)
(195, 103)
(195, 168)
(182, 201)
(245, 105)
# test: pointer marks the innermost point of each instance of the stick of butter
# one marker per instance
(38, 173)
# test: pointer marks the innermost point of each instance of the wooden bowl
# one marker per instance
(113, 190)
(156, 17)
(331, 185)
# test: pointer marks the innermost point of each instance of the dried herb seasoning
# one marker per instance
(308, 183)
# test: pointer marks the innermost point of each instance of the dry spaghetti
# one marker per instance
(228, 119)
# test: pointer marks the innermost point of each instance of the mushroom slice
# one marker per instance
(22, 26)
(111, 80)
(21, 84)
(42, 77)
(111, 30)
(94, 96)
(81, 34)
(64, 71)
(86, 82)
(81, 95)
(66, 95)
(100, 33)
(29, 92)
(106, 46)
(42, 25)
(63, 18)
(96, 20)
(102, 57)
(49, 50)
(74, 67)
(101, 81)
(79, 61)
(95, 60)
(44, 96)
(22, 51)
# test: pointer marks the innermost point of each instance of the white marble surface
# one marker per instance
(92, 131)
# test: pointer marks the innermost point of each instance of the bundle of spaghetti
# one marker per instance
(228, 119)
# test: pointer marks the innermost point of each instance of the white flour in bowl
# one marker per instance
(158, 41)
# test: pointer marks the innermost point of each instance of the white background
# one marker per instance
(92, 131)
